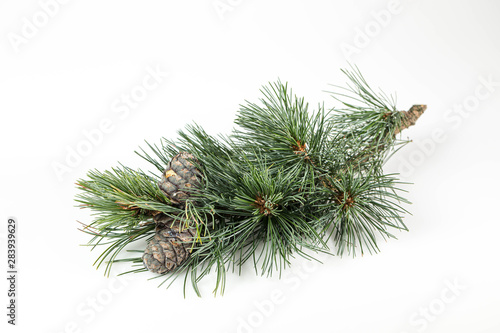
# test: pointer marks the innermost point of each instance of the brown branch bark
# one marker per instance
(410, 117)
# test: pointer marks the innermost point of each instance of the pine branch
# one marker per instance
(282, 127)
(285, 182)
(122, 195)
(360, 206)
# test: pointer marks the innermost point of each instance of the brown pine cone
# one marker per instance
(170, 247)
(179, 178)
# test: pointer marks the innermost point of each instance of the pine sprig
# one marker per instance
(287, 181)
(362, 206)
(282, 126)
(123, 202)
(122, 195)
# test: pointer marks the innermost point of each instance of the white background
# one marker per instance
(67, 74)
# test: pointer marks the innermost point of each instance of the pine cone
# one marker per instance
(179, 177)
(170, 247)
